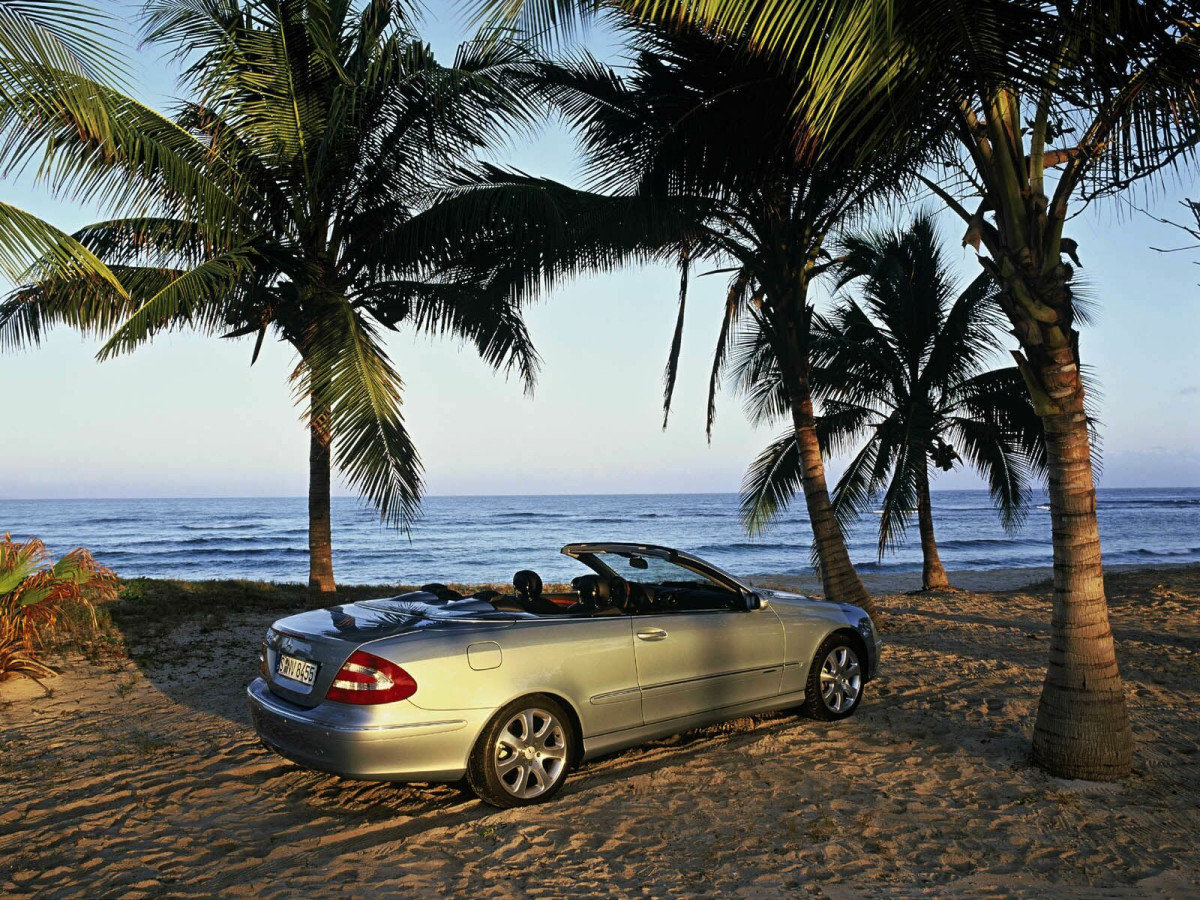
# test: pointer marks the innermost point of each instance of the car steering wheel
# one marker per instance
(641, 598)
(620, 594)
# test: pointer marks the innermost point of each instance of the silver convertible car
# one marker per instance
(510, 691)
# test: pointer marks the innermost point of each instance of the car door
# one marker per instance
(695, 662)
(589, 661)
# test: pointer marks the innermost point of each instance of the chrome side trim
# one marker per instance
(405, 729)
(753, 670)
(615, 696)
(609, 742)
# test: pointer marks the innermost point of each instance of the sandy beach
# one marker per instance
(139, 776)
(888, 583)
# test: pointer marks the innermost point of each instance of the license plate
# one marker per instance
(300, 670)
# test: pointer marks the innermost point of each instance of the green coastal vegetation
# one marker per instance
(326, 181)
(34, 591)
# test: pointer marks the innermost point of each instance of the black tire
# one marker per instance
(552, 753)
(831, 705)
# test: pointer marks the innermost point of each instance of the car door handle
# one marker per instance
(652, 634)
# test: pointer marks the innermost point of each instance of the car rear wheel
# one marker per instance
(835, 680)
(524, 753)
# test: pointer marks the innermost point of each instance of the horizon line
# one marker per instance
(982, 490)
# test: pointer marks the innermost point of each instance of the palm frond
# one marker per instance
(1001, 460)
(969, 334)
(739, 285)
(487, 319)
(860, 483)
(672, 368)
(50, 36)
(535, 233)
(863, 365)
(33, 249)
(345, 370)
(754, 368)
(88, 304)
(547, 20)
(770, 483)
(118, 153)
(840, 424)
(999, 402)
(194, 299)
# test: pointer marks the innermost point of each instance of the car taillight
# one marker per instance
(366, 678)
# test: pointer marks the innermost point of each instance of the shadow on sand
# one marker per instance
(203, 655)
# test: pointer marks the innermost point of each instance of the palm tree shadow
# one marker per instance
(426, 806)
(198, 641)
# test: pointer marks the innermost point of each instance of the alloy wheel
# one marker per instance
(530, 755)
(841, 679)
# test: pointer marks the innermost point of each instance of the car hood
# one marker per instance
(816, 604)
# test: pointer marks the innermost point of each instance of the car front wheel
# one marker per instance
(524, 753)
(835, 680)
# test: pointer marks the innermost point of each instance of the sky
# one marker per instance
(188, 416)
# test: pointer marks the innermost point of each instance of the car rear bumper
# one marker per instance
(434, 749)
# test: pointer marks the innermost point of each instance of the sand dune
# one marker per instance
(144, 779)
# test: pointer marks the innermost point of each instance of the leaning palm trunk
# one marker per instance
(839, 579)
(1082, 728)
(933, 575)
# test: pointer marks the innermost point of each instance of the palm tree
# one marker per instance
(752, 207)
(904, 369)
(1104, 94)
(281, 199)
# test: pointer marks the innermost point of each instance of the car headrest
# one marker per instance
(528, 583)
(442, 592)
(593, 591)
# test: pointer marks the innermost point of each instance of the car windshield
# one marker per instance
(654, 570)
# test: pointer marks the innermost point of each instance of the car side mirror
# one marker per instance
(754, 600)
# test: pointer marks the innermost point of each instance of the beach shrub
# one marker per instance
(35, 591)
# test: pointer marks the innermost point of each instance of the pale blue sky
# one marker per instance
(188, 416)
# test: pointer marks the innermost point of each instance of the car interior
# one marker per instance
(646, 590)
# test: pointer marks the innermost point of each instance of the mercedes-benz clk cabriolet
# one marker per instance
(510, 691)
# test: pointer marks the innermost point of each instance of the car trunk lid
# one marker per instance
(325, 638)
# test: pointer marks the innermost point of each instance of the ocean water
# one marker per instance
(475, 539)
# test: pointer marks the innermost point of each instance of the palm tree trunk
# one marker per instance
(320, 539)
(933, 576)
(838, 576)
(1082, 728)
